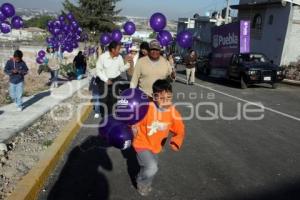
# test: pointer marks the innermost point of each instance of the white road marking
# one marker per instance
(243, 100)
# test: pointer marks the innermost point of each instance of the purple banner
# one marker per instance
(245, 36)
(229, 39)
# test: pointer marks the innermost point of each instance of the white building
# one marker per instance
(200, 26)
(275, 28)
(23, 34)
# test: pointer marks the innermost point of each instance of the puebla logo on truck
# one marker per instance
(221, 41)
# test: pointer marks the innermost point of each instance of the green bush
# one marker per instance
(67, 70)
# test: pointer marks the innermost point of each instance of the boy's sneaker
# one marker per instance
(144, 190)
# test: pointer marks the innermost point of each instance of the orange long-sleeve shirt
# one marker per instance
(153, 130)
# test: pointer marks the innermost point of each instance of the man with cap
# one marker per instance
(150, 68)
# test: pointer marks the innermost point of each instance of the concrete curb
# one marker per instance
(291, 82)
(31, 184)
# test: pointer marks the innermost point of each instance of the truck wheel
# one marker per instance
(206, 71)
(274, 85)
(243, 83)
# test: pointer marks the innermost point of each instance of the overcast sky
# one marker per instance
(173, 9)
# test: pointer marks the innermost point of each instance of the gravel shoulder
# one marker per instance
(26, 149)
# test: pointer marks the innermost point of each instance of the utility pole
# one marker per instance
(227, 12)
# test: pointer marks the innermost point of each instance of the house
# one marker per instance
(275, 28)
(23, 34)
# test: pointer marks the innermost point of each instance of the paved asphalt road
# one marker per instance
(221, 159)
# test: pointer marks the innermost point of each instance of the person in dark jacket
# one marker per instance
(80, 64)
(16, 69)
(190, 62)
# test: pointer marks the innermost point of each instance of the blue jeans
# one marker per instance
(97, 103)
(79, 73)
(54, 77)
(148, 162)
(16, 92)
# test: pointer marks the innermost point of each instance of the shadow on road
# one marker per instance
(81, 177)
(287, 191)
(36, 98)
(1, 112)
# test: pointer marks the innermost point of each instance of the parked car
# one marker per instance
(254, 68)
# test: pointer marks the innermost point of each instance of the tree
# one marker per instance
(153, 35)
(40, 22)
(94, 15)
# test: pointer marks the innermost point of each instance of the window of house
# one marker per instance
(271, 19)
(257, 22)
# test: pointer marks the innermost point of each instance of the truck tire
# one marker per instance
(274, 85)
(243, 83)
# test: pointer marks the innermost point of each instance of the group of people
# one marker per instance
(152, 73)
(16, 69)
(147, 70)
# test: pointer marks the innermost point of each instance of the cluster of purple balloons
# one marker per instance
(7, 11)
(158, 22)
(41, 57)
(117, 35)
(131, 108)
(88, 51)
(65, 33)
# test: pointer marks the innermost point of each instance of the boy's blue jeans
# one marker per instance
(148, 162)
(16, 92)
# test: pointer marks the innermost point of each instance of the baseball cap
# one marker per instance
(154, 44)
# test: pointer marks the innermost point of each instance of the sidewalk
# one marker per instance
(291, 82)
(13, 121)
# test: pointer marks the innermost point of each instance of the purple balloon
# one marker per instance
(105, 39)
(49, 39)
(116, 35)
(55, 31)
(17, 22)
(41, 53)
(8, 10)
(61, 18)
(2, 16)
(74, 25)
(79, 31)
(70, 17)
(132, 107)
(158, 22)
(185, 39)
(129, 28)
(39, 60)
(165, 38)
(57, 24)
(67, 29)
(5, 27)
(50, 24)
(55, 45)
(117, 134)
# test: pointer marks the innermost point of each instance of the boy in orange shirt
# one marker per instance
(151, 133)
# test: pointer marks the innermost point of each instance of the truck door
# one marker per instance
(233, 67)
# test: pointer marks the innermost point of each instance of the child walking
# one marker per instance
(151, 134)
